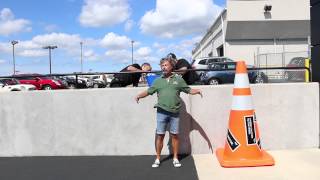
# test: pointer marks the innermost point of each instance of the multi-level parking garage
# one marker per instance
(262, 33)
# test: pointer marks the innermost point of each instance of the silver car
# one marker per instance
(203, 63)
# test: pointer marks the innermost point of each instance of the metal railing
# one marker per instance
(303, 72)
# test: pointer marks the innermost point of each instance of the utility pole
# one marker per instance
(132, 51)
(13, 57)
(50, 47)
(81, 43)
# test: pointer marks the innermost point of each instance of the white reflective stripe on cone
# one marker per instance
(242, 103)
(241, 80)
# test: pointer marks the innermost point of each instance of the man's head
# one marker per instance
(146, 67)
(171, 56)
(167, 65)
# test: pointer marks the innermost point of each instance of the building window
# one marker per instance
(220, 51)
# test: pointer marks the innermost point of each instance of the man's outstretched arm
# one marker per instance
(195, 91)
(141, 95)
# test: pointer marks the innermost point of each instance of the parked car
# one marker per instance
(11, 84)
(99, 84)
(41, 83)
(296, 74)
(72, 84)
(203, 63)
(88, 80)
(61, 79)
(227, 76)
(99, 81)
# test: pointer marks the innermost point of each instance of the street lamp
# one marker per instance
(132, 51)
(13, 58)
(81, 43)
(50, 47)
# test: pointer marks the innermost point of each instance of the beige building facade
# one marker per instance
(249, 28)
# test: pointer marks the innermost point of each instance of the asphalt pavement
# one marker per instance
(95, 168)
(289, 165)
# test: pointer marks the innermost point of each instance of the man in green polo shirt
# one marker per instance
(168, 88)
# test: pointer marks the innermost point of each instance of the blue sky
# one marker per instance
(106, 28)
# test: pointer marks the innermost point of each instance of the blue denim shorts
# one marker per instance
(164, 118)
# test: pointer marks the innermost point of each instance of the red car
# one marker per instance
(41, 83)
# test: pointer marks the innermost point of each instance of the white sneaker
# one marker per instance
(176, 163)
(156, 163)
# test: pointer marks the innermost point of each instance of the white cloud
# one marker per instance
(6, 14)
(27, 45)
(119, 55)
(2, 61)
(90, 55)
(144, 51)
(140, 56)
(119, 49)
(186, 46)
(173, 18)
(98, 13)
(10, 25)
(128, 26)
(34, 47)
(114, 41)
(32, 53)
(145, 54)
(24, 48)
(5, 47)
(182, 49)
(161, 48)
(62, 40)
(70, 43)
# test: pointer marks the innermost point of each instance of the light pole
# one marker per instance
(50, 47)
(13, 58)
(132, 51)
(81, 43)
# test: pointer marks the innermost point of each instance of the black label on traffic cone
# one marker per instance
(259, 143)
(233, 143)
(250, 130)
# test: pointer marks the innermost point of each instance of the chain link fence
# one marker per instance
(285, 59)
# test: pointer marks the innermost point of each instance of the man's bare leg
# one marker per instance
(159, 144)
(175, 145)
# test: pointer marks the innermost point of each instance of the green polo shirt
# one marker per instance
(168, 90)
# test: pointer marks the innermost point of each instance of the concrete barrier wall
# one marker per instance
(110, 122)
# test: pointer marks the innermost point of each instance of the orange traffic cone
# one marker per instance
(243, 144)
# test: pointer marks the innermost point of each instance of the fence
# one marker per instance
(284, 59)
(256, 75)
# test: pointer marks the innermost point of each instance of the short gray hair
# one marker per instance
(170, 60)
